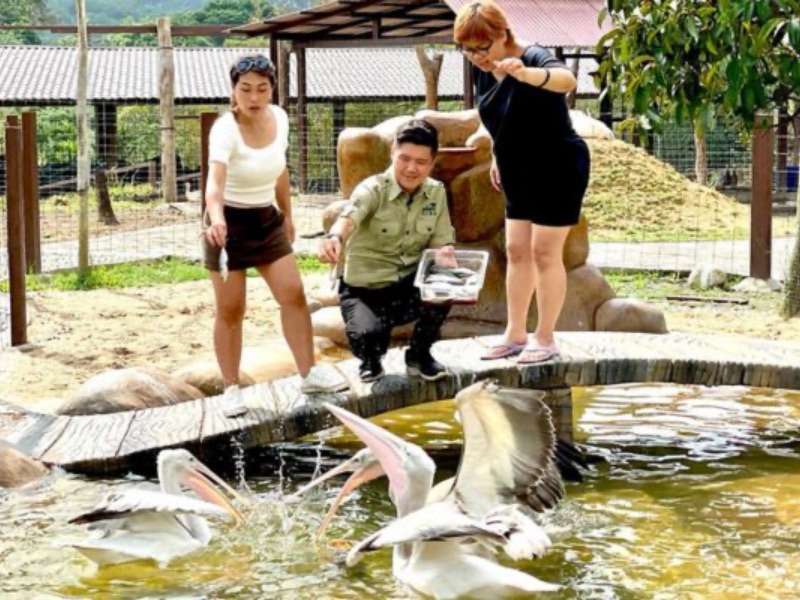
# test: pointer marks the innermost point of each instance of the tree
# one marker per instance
(690, 60)
(22, 12)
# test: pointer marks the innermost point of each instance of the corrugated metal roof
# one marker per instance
(391, 73)
(552, 23)
(45, 75)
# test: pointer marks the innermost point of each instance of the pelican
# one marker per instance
(142, 524)
(445, 537)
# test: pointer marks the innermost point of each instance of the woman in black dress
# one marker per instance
(539, 163)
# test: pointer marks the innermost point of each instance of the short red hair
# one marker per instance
(481, 22)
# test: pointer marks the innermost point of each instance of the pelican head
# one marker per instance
(179, 467)
(406, 465)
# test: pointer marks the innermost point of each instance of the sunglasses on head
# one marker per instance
(253, 63)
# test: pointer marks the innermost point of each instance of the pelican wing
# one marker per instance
(128, 503)
(509, 445)
(433, 523)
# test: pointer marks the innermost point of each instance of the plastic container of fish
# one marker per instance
(460, 285)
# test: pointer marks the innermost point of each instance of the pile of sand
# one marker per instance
(633, 195)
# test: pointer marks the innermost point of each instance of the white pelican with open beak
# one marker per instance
(509, 467)
(141, 524)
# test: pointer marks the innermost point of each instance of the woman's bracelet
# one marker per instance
(546, 78)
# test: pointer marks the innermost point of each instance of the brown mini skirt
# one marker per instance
(256, 237)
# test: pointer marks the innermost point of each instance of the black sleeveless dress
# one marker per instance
(544, 165)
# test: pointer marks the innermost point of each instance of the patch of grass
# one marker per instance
(142, 274)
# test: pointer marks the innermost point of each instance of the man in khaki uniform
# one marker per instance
(393, 217)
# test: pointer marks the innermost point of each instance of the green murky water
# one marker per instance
(696, 496)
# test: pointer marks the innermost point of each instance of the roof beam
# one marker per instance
(303, 17)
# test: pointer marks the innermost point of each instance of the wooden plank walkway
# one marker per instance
(278, 412)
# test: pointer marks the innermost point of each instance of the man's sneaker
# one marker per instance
(426, 367)
(323, 379)
(370, 371)
(233, 403)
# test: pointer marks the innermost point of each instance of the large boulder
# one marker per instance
(629, 314)
(477, 210)
(360, 152)
(128, 389)
(206, 377)
(454, 127)
(17, 469)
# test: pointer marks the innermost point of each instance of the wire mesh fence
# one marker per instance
(644, 209)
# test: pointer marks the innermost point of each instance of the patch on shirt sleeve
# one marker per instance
(429, 210)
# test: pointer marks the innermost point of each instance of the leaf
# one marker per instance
(734, 73)
(640, 99)
(794, 33)
(691, 27)
(748, 99)
(602, 16)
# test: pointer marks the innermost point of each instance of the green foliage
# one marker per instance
(22, 12)
(693, 61)
(143, 274)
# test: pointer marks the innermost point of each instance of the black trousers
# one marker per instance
(370, 315)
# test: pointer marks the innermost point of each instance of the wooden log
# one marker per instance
(302, 121)
(206, 122)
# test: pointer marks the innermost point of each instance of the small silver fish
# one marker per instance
(446, 279)
(223, 264)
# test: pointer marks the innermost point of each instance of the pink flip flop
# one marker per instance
(532, 355)
(503, 350)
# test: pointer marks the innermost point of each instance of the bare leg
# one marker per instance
(230, 299)
(520, 279)
(283, 279)
(551, 277)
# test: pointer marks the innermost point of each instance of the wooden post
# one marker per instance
(166, 90)
(84, 166)
(206, 121)
(284, 75)
(339, 122)
(761, 204)
(30, 190)
(274, 52)
(302, 121)
(15, 231)
(469, 85)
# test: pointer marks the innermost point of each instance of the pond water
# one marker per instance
(694, 493)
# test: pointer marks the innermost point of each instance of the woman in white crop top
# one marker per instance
(249, 214)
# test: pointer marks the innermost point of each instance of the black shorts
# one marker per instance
(546, 192)
(256, 236)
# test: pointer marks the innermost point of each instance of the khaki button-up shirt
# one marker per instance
(391, 232)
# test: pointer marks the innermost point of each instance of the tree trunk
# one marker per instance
(82, 116)
(572, 97)
(700, 160)
(431, 67)
(105, 211)
(791, 290)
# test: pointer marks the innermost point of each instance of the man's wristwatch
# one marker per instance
(331, 236)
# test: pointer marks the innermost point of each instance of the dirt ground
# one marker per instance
(75, 335)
